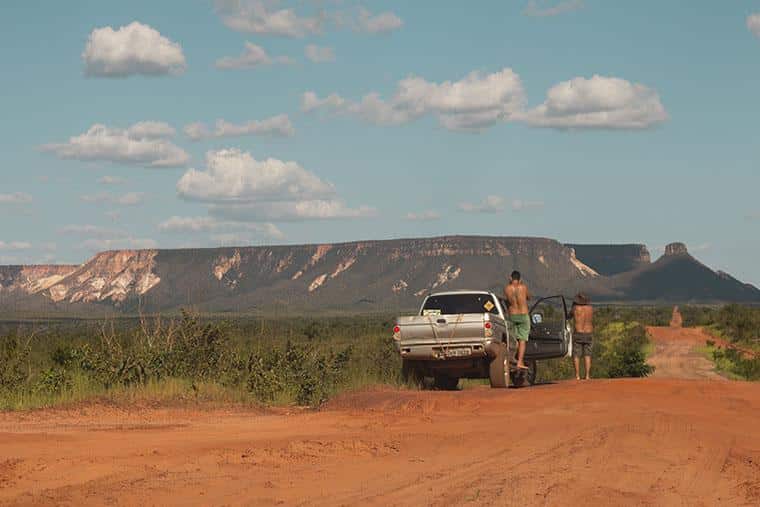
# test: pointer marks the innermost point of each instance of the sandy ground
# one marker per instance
(657, 441)
(675, 355)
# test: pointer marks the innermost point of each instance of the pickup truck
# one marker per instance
(466, 334)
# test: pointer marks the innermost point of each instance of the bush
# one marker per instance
(14, 369)
(622, 351)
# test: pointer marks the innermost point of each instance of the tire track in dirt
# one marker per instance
(633, 441)
(675, 354)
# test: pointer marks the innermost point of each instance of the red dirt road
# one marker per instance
(675, 355)
(650, 441)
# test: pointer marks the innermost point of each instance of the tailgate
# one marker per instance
(431, 329)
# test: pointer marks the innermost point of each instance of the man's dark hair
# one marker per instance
(515, 275)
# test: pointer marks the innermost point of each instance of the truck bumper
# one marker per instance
(447, 351)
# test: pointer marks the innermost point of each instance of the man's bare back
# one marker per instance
(583, 315)
(517, 295)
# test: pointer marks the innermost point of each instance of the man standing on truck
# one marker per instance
(517, 295)
(582, 313)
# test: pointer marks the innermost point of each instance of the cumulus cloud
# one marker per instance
(15, 198)
(479, 101)
(423, 216)
(474, 102)
(598, 102)
(143, 144)
(128, 199)
(235, 176)
(544, 8)
(130, 50)
(318, 54)
(15, 245)
(753, 24)
(491, 204)
(240, 188)
(276, 126)
(266, 18)
(252, 56)
(177, 224)
(377, 23)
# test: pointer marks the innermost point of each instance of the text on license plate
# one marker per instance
(459, 352)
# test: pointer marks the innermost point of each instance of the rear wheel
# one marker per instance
(446, 383)
(523, 378)
(498, 369)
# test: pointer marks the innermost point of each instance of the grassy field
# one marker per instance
(274, 361)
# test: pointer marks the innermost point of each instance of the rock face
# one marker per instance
(378, 276)
(676, 249)
(610, 260)
(32, 279)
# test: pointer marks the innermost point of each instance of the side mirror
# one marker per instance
(537, 318)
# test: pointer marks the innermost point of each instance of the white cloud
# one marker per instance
(311, 102)
(111, 180)
(235, 176)
(265, 18)
(599, 102)
(753, 24)
(15, 198)
(279, 126)
(252, 56)
(423, 216)
(377, 23)
(474, 102)
(319, 54)
(128, 199)
(142, 144)
(521, 205)
(291, 211)
(544, 8)
(130, 50)
(491, 204)
(15, 245)
(243, 189)
(92, 231)
(185, 225)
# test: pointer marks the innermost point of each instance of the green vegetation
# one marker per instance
(284, 361)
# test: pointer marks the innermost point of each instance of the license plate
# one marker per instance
(460, 352)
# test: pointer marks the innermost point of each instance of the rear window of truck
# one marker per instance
(452, 304)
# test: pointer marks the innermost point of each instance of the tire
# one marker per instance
(498, 369)
(446, 383)
(411, 373)
(525, 378)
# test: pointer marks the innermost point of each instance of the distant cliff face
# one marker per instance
(32, 279)
(610, 260)
(346, 276)
(354, 277)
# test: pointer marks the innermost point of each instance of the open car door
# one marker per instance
(549, 332)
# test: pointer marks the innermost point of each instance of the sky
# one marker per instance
(201, 123)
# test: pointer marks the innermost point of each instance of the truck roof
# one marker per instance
(460, 291)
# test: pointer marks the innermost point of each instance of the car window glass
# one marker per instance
(452, 304)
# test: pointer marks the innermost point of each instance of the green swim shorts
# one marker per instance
(521, 326)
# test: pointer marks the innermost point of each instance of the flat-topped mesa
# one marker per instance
(676, 249)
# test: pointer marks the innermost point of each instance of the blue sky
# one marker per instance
(582, 121)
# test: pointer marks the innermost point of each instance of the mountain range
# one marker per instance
(363, 276)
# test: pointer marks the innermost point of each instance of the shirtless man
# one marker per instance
(582, 313)
(517, 295)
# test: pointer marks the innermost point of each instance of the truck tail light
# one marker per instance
(396, 330)
(396, 333)
(488, 325)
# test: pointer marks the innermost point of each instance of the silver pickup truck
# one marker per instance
(465, 334)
